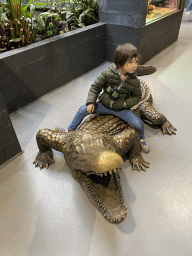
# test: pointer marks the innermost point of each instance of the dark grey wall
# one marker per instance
(32, 71)
(123, 12)
(158, 35)
(120, 34)
(9, 145)
(150, 39)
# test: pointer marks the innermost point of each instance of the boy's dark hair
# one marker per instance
(123, 53)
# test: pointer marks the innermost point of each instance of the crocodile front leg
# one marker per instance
(155, 119)
(129, 141)
(47, 139)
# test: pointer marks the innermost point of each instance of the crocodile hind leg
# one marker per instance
(155, 119)
(129, 143)
(47, 139)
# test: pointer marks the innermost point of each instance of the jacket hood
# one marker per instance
(114, 69)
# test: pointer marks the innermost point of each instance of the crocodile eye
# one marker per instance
(81, 149)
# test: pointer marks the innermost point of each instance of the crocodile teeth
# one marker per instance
(101, 174)
(110, 172)
(105, 173)
(114, 170)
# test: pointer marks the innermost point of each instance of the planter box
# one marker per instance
(32, 71)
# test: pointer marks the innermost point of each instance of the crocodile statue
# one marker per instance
(94, 154)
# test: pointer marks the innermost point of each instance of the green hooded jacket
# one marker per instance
(129, 89)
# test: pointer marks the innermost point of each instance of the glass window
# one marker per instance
(158, 8)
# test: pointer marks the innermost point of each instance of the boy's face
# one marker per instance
(130, 66)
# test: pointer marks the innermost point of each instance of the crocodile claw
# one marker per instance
(168, 128)
(43, 160)
(139, 164)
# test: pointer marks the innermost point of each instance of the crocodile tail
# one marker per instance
(144, 70)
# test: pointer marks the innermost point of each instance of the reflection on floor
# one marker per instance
(45, 213)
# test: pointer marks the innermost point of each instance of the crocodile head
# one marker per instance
(95, 164)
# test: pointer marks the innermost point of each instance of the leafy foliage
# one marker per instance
(50, 20)
(20, 25)
(16, 27)
(78, 18)
(82, 13)
(3, 13)
(58, 6)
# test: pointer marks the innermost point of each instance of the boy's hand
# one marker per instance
(90, 108)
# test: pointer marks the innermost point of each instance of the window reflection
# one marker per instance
(158, 8)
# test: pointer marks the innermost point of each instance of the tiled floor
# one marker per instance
(45, 212)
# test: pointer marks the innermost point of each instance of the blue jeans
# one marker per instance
(126, 114)
(189, 6)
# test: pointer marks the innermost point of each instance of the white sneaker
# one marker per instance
(188, 13)
(144, 145)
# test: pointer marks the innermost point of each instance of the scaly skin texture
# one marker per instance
(143, 70)
(149, 114)
(94, 154)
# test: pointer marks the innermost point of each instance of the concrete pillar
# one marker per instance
(123, 12)
(126, 23)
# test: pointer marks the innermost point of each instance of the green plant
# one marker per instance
(32, 6)
(36, 24)
(87, 4)
(50, 30)
(40, 23)
(4, 41)
(3, 13)
(78, 19)
(18, 28)
(82, 13)
(58, 6)
(50, 19)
